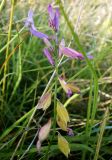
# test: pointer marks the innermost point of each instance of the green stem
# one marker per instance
(55, 102)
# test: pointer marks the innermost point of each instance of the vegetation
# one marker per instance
(28, 128)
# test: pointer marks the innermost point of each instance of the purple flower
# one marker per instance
(48, 44)
(68, 87)
(65, 86)
(70, 132)
(53, 18)
(49, 57)
(71, 53)
(29, 22)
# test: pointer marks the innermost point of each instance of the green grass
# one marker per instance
(25, 75)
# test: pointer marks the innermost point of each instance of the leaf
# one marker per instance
(45, 101)
(63, 145)
(61, 124)
(62, 112)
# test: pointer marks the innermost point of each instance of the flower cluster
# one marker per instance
(48, 51)
(62, 116)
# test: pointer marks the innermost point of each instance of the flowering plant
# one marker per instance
(54, 54)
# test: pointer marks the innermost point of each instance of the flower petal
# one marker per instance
(63, 145)
(29, 20)
(48, 55)
(69, 52)
(62, 44)
(65, 86)
(44, 131)
(56, 19)
(48, 44)
(38, 145)
(37, 33)
(90, 56)
(51, 12)
(62, 124)
(30, 13)
(30, 24)
(70, 132)
(53, 18)
(62, 112)
(45, 101)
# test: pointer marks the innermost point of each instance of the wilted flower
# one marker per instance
(29, 22)
(49, 57)
(43, 134)
(69, 88)
(61, 123)
(62, 116)
(69, 52)
(45, 101)
(70, 132)
(65, 86)
(63, 145)
(53, 18)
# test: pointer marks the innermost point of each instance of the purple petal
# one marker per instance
(65, 86)
(90, 56)
(49, 57)
(48, 44)
(29, 21)
(62, 44)
(69, 52)
(70, 132)
(69, 93)
(37, 33)
(30, 24)
(30, 13)
(56, 19)
(51, 12)
(53, 18)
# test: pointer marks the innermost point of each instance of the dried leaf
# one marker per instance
(63, 145)
(62, 112)
(45, 101)
(61, 124)
(44, 131)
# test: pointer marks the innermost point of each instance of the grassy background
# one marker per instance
(28, 72)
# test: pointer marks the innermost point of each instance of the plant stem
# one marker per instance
(55, 102)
